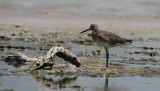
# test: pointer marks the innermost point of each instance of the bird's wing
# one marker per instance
(111, 38)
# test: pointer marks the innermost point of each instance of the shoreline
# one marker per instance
(73, 23)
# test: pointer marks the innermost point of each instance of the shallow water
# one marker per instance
(28, 82)
(129, 7)
(119, 56)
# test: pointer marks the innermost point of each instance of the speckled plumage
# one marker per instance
(106, 39)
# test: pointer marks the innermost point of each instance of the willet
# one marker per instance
(106, 39)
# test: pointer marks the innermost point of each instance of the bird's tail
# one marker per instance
(129, 40)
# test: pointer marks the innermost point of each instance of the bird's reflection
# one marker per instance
(106, 85)
(112, 87)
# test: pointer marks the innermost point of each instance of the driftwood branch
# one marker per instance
(47, 60)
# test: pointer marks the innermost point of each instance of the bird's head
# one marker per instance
(93, 27)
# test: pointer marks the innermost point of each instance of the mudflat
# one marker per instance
(35, 33)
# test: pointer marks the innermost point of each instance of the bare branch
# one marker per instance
(47, 60)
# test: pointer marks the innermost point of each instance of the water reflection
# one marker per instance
(106, 85)
(74, 82)
(55, 82)
(109, 86)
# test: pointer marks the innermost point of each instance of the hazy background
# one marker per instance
(129, 7)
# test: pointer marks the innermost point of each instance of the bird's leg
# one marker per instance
(107, 56)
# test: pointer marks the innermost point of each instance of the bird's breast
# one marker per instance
(96, 38)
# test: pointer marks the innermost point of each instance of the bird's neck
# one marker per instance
(94, 30)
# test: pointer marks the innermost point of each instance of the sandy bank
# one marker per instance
(67, 22)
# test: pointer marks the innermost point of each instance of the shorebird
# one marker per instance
(106, 39)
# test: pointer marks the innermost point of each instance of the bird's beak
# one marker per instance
(85, 31)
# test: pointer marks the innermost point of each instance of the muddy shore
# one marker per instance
(35, 33)
(63, 29)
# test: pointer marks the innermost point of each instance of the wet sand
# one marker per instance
(124, 25)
